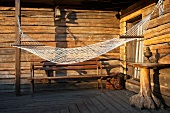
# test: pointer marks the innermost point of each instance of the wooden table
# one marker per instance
(145, 97)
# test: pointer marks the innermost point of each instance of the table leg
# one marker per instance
(145, 97)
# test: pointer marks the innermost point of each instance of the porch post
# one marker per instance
(17, 50)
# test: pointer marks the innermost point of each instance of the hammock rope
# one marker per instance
(80, 54)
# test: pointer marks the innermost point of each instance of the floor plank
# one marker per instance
(72, 101)
(91, 106)
(114, 103)
(99, 106)
(108, 106)
(73, 108)
(65, 110)
(118, 99)
(125, 97)
(82, 108)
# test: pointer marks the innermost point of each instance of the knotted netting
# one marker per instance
(80, 54)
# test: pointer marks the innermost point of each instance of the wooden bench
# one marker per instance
(48, 66)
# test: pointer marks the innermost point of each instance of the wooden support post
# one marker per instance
(17, 50)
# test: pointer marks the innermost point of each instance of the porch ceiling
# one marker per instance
(115, 5)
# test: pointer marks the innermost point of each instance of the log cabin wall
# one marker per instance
(156, 37)
(74, 28)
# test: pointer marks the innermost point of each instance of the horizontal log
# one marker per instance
(165, 72)
(158, 46)
(160, 30)
(101, 21)
(11, 75)
(7, 65)
(62, 24)
(10, 38)
(158, 40)
(165, 59)
(27, 21)
(46, 20)
(161, 51)
(148, 10)
(87, 24)
(64, 14)
(7, 74)
(6, 45)
(27, 9)
(7, 58)
(161, 89)
(7, 13)
(11, 82)
(115, 56)
(76, 15)
(7, 69)
(7, 51)
(7, 38)
(28, 13)
(69, 44)
(89, 11)
(159, 21)
(11, 58)
(48, 29)
(29, 57)
(22, 45)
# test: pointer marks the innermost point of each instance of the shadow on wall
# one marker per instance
(64, 34)
(62, 28)
(108, 67)
(156, 79)
(156, 87)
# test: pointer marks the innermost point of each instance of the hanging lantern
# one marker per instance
(57, 13)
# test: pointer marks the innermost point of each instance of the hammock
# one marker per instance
(80, 54)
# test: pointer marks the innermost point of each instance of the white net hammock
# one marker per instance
(80, 54)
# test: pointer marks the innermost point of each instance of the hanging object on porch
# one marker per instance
(80, 54)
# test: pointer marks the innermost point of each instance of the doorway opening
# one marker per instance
(134, 50)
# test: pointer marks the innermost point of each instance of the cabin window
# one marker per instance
(134, 50)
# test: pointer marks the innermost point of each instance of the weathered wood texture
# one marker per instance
(75, 28)
(156, 37)
(72, 101)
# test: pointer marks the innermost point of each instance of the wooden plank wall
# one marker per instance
(75, 28)
(156, 37)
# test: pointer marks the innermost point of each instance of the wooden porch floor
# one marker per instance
(71, 101)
